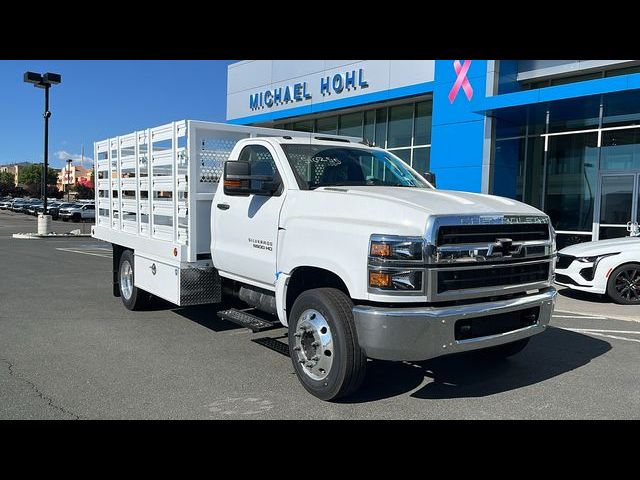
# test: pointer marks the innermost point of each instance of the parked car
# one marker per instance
(78, 212)
(18, 205)
(5, 204)
(606, 267)
(32, 208)
(53, 209)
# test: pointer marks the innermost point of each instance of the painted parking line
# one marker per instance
(94, 252)
(586, 317)
(598, 330)
(602, 334)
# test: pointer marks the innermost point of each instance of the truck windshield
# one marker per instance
(323, 166)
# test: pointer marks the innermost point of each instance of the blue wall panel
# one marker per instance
(458, 129)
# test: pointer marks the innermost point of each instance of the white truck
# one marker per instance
(344, 244)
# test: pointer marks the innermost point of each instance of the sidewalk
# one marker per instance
(589, 304)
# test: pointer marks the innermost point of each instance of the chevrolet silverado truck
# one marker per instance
(340, 242)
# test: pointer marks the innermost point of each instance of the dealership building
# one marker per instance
(561, 135)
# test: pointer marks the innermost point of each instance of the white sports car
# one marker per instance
(609, 267)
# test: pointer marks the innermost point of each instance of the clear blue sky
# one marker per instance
(102, 98)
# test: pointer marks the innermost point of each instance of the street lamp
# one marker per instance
(44, 81)
(68, 175)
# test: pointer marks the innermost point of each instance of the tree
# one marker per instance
(7, 183)
(84, 192)
(31, 176)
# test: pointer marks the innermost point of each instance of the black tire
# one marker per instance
(76, 217)
(506, 350)
(64, 219)
(627, 275)
(139, 299)
(349, 362)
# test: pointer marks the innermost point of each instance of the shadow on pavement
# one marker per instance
(583, 296)
(204, 315)
(548, 355)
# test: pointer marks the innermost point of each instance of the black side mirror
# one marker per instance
(430, 177)
(238, 180)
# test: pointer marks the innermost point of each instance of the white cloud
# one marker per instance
(76, 157)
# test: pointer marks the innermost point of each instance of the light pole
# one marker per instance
(44, 81)
(68, 175)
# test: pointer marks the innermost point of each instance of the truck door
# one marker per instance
(246, 227)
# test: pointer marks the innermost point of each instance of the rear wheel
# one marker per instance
(624, 284)
(324, 347)
(132, 297)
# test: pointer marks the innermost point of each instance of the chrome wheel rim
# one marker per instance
(126, 279)
(313, 345)
(628, 285)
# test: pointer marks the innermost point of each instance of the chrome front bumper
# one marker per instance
(421, 333)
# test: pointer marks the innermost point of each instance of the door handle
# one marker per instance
(223, 206)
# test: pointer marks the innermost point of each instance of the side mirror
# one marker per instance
(430, 177)
(238, 180)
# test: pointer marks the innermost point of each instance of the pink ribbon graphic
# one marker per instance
(461, 80)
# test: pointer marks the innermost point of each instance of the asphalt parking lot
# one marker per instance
(69, 350)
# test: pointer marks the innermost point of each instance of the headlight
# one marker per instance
(595, 258)
(389, 247)
(395, 264)
(401, 280)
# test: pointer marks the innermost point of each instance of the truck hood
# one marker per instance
(601, 247)
(441, 202)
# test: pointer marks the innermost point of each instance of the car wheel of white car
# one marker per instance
(624, 284)
(132, 297)
(323, 344)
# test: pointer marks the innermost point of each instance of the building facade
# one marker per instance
(15, 170)
(561, 135)
(72, 175)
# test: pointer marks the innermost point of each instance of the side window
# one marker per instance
(261, 162)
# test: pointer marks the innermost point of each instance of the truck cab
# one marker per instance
(352, 224)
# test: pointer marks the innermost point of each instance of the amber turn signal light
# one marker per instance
(232, 183)
(379, 279)
(380, 250)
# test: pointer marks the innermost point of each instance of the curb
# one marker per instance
(33, 236)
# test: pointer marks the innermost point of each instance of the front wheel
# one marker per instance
(624, 284)
(323, 343)
(132, 297)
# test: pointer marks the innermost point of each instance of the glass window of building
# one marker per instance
(381, 128)
(369, 125)
(421, 159)
(620, 108)
(351, 124)
(304, 126)
(574, 114)
(620, 149)
(404, 154)
(327, 125)
(422, 123)
(400, 126)
(571, 181)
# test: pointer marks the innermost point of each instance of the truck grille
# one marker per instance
(517, 232)
(492, 276)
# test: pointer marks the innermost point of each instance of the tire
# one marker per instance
(76, 217)
(342, 358)
(132, 297)
(506, 350)
(623, 286)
